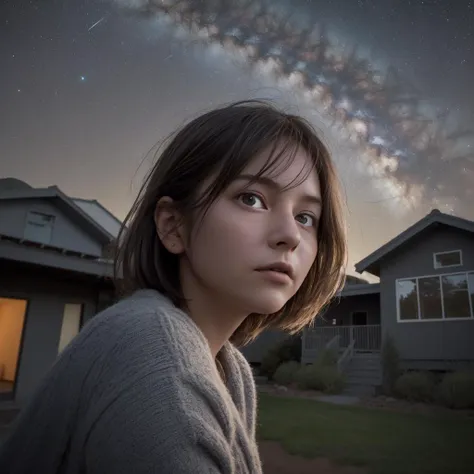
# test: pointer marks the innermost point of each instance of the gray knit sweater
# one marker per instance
(137, 391)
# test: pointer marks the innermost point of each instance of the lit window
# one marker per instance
(71, 324)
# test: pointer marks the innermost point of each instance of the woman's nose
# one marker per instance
(284, 232)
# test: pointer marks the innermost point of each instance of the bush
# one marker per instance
(327, 358)
(286, 372)
(456, 390)
(326, 379)
(285, 351)
(270, 363)
(415, 386)
(290, 349)
(390, 365)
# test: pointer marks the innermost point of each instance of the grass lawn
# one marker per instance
(382, 441)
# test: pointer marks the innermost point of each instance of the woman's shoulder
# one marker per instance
(148, 325)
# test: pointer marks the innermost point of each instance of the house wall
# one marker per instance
(47, 294)
(426, 344)
(67, 234)
(255, 351)
(342, 308)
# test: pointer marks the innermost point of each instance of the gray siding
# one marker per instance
(46, 293)
(67, 234)
(422, 343)
(342, 309)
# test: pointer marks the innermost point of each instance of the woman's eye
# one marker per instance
(305, 219)
(252, 200)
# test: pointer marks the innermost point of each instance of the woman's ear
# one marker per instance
(169, 225)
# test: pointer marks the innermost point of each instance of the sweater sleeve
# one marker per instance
(162, 424)
(161, 409)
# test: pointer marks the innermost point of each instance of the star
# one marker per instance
(82, 78)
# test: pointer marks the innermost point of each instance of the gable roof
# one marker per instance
(27, 192)
(360, 289)
(371, 263)
(100, 214)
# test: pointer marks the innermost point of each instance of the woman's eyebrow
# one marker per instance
(270, 183)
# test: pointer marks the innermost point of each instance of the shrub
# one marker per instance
(415, 386)
(390, 364)
(285, 351)
(456, 390)
(270, 363)
(327, 358)
(286, 372)
(290, 348)
(326, 379)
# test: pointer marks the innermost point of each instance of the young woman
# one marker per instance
(237, 229)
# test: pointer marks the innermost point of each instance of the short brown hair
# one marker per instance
(221, 143)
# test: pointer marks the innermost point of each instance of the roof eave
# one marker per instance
(371, 263)
(55, 192)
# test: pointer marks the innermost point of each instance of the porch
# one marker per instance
(350, 325)
(367, 338)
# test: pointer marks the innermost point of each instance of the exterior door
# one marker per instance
(359, 318)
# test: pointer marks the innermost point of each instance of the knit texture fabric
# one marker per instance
(138, 391)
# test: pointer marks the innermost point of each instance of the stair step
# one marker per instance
(366, 361)
(374, 365)
(364, 370)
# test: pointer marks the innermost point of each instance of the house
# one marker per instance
(424, 301)
(256, 350)
(55, 275)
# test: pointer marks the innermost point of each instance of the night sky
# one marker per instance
(88, 87)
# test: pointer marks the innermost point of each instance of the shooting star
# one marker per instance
(96, 23)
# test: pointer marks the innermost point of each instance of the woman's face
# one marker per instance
(256, 244)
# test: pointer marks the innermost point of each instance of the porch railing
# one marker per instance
(333, 344)
(346, 357)
(363, 338)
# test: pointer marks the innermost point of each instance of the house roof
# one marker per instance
(372, 262)
(11, 188)
(360, 289)
(100, 214)
(20, 250)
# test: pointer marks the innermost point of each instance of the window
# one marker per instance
(456, 296)
(407, 292)
(72, 316)
(436, 297)
(447, 259)
(429, 293)
(12, 324)
(39, 227)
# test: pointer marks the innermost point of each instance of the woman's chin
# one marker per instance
(268, 304)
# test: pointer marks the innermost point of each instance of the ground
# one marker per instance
(277, 461)
(364, 440)
(306, 436)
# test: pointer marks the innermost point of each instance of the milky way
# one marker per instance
(418, 154)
